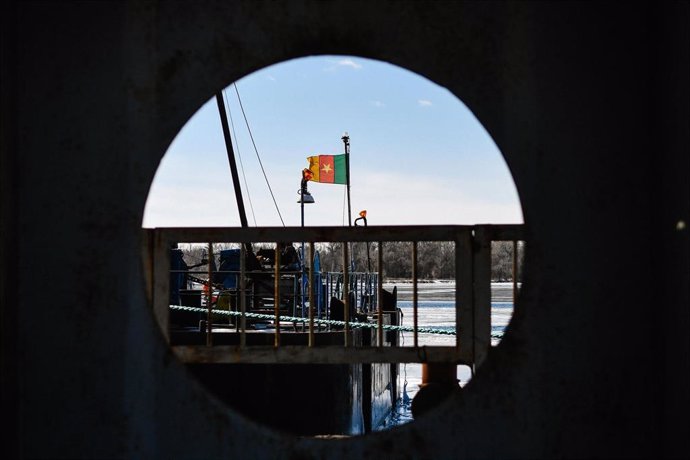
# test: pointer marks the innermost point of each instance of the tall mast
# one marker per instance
(346, 141)
(231, 157)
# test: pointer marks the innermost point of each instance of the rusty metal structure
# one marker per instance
(355, 358)
(473, 296)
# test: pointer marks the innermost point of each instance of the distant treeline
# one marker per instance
(435, 259)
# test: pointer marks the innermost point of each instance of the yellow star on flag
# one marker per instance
(326, 168)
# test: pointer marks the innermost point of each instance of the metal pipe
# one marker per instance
(311, 294)
(379, 295)
(346, 294)
(243, 300)
(346, 141)
(415, 293)
(276, 295)
(303, 188)
(335, 234)
(209, 298)
(515, 268)
(461, 291)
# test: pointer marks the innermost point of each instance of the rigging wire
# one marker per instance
(226, 101)
(257, 154)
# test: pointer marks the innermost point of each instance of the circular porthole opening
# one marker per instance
(332, 141)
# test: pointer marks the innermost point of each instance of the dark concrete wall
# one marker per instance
(589, 103)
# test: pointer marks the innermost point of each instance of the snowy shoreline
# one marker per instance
(444, 290)
(405, 281)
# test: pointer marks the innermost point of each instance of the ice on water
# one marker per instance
(436, 309)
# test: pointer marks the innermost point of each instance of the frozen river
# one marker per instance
(436, 309)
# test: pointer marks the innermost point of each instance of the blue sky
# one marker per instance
(417, 154)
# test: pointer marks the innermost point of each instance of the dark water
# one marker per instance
(436, 309)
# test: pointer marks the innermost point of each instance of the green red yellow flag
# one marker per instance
(329, 169)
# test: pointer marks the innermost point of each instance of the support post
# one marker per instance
(346, 141)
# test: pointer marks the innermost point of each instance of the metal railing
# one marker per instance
(472, 293)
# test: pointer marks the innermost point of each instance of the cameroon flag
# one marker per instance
(329, 169)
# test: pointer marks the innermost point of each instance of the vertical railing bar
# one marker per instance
(331, 293)
(234, 306)
(346, 294)
(357, 286)
(326, 299)
(515, 268)
(276, 296)
(379, 296)
(481, 317)
(209, 298)
(458, 292)
(311, 294)
(243, 300)
(415, 293)
(302, 296)
(231, 318)
(464, 295)
(362, 290)
(160, 264)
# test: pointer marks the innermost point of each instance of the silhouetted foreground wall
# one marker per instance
(587, 101)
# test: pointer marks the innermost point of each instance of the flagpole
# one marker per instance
(346, 141)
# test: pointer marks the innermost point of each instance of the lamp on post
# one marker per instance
(304, 195)
(304, 198)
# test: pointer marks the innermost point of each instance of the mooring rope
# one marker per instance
(352, 324)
